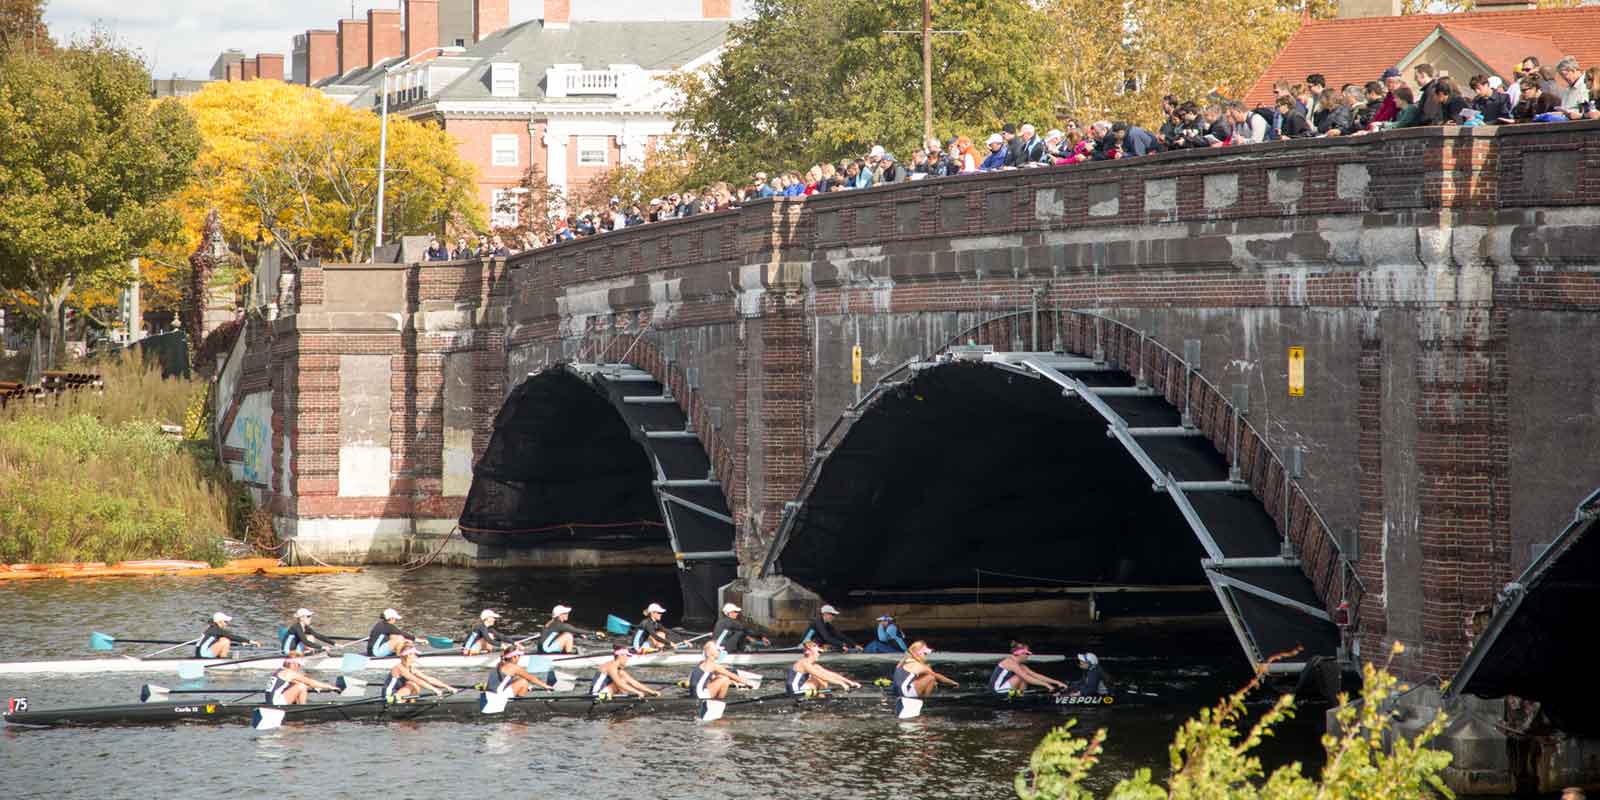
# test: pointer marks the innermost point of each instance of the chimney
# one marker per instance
(322, 56)
(491, 16)
(352, 45)
(557, 13)
(248, 67)
(269, 66)
(1359, 9)
(716, 9)
(1505, 5)
(383, 34)
(422, 26)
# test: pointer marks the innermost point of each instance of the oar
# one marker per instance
(151, 693)
(103, 642)
(266, 719)
(617, 625)
(189, 643)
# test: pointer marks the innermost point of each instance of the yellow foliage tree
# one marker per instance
(289, 168)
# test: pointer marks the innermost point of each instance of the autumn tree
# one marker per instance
(290, 168)
(87, 164)
(22, 27)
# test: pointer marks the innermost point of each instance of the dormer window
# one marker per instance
(503, 80)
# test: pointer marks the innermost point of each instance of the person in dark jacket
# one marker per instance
(1535, 101)
(1294, 124)
(436, 250)
(1133, 140)
(997, 153)
(1026, 148)
(1367, 114)
(1429, 110)
(1340, 119)
(825, 634)
(1493, 104)
(1217, 129)
(1449, 100)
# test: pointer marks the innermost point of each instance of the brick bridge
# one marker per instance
(1440, 283)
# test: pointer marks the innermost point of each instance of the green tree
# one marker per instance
(87, 163)
(809, 80)
(1211, 757)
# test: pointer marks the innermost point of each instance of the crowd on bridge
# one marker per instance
(1310, 109)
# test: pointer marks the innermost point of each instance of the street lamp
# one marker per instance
(383, 142)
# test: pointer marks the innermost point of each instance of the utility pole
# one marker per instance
(927, 33)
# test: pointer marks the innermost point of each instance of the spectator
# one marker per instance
(635, 215)
(1525, 68)
(1591, 109)
(1408, 113)
(1317, 105)
(1493, 105)
(1339, 119)
(1218, 129)
(919, 165)
(863, 179)
(497, 247)
(1008, 137)
(1374, 93)
(1429, 112)
(1389, 108)
(1450, 101)
(1534, 102)
(1027, 148)
(436, 251)
(1170, 122)
(892, 171)
(1054, 142)
(462, 251)
(997, 153)
(1286, 89)
(1105, 142)
(1575, 94)
(1548, 82)
(1266, 124)
(968, 155)
(762, 186)
(1293, 121)
(1133, 140)
(1240, 123)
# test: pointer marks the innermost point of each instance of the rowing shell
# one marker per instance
(100, 666)
(465, 706)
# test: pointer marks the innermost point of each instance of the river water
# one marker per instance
(857, 755)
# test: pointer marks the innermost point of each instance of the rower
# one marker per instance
(405, 680)
(218, 639)
(913, 677)
(710, 680)
(385, 639)
(731, 632)
(890, 639)
(651, 635)
(823, 632)
(288, 686)
(1013, 675)
(483, 637)
(558, 635)
(1091, 682)
(509, 676)
(807, 676)
(301, 636)
(614, 678)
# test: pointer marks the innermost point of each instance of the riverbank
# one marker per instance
(92, 476)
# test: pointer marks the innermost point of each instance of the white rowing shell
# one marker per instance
(98, 666)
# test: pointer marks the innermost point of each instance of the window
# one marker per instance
(505, 210)
(592, 150)
(503, 79)
(504, 150)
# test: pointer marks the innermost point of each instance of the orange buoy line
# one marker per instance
(133, 569)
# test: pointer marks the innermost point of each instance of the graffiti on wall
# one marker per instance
(252, 434)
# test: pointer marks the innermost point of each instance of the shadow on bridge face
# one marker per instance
(562, 470)
(968, 467)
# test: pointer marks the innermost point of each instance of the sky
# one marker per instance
(183, 37)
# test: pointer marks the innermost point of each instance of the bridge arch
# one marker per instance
(1083, 433)
(609, 453)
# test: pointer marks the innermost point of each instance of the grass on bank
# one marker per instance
(92, 477)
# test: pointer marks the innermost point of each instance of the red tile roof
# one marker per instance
(1359, 50)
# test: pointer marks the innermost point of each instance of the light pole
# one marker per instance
(383, 143)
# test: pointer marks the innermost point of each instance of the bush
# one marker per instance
(1212, 758)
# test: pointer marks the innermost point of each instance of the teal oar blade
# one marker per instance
(282, 631)
(100, 641)
(191, 670)
(538, 665)
(618, 625)
(352, 662)
(440, 641)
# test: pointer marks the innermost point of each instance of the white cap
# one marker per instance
(995, 138)
(302, 613)
(221, 617)
(1053, 134)
(877, 151)
(655, 608)
(826, 609)
(559, 610)
(1089, 658)
(728, 608)
(488, 613)
(1495, 82)
(390, 613)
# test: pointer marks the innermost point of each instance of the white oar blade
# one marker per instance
(151, 693)
(266, 719)
(908, 708)
(711, 710)
(752, 678)
(564, 676)
(493, 702)
(191, 670)
(564, 685)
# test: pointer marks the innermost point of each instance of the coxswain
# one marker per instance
(651, 635)
(218, 640)
(289, 685)
(710, 680)
(1091, 682)
(483, 637)
(299, 635)
(806, 676)
(509, 676)
(385, 639)
(823, 632)
(558, 635)
(614, 678)
(890, 639)
(913, 677)
(731, 632)
(405, 680)
(1013, 675)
